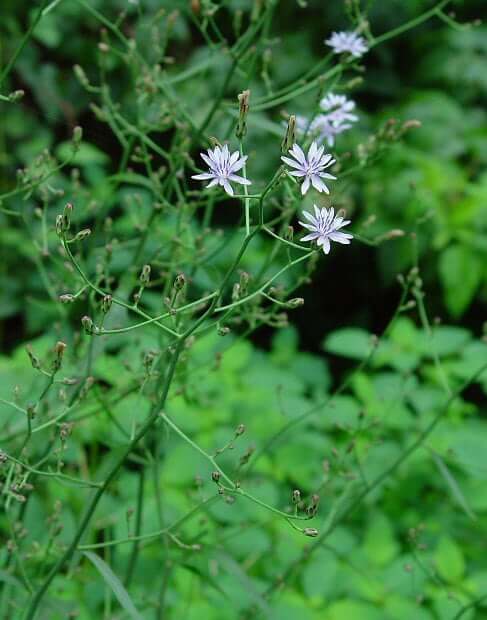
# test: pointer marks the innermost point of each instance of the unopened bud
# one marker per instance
(243, 99)
(223, 331)
(16, 96)
(66, 299)
(59, 352)
(34, 360)
(87, 324)
(296, 302)
(180, 282)
(106, 303)
(83, 234)
(145, 274)
(215, 476)
(296, 496)
(311, 532)
(240, 430)
(236, 291)
(289, 233)
(81, 75)
(77, 135)
(244, 280)
(290, 136)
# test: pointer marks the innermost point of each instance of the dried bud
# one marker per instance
(106, 303)
(243, 100)
(215, 476)
(290, 137)
(145, 274)
(180, 282)
(296, 496)
(87, 324)
(311, 532)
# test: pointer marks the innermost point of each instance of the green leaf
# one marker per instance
(115, 584)
(449, 560)
(460, 273)
(350, 342)
(379, 544)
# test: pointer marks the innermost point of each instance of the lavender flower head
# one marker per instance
(338, 108)
(325, 128)
(310, 167)
(350, 42)
(222, 168)
(324, 226)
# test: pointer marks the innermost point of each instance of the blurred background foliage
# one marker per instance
(416, 548)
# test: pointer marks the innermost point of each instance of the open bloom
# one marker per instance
(324, 128)
(350, 42)
(324, 226)
(222, 168)
(338, 108)
(311, 167)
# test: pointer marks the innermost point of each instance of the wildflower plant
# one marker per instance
(159, 272)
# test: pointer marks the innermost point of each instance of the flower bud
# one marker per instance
(311, 532)
(77, 135)
(16, 96)
(243, 99)
(81, 76)
(290, 137)
(296, 496)
(215, 476)
(223, 331)
(87, 324)
(145, 274)
(59, 353)
(106, 303)
(66, 299)
(83, 234)
(244, 280)
(240, 430)
(180, 282)
(296, 302)
(34, 360)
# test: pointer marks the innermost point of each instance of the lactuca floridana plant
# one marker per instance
(157, 282)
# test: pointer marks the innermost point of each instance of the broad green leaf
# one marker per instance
(350, 342)
(460, 273)
(449, 560)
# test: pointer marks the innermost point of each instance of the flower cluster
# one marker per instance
(337, 114)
